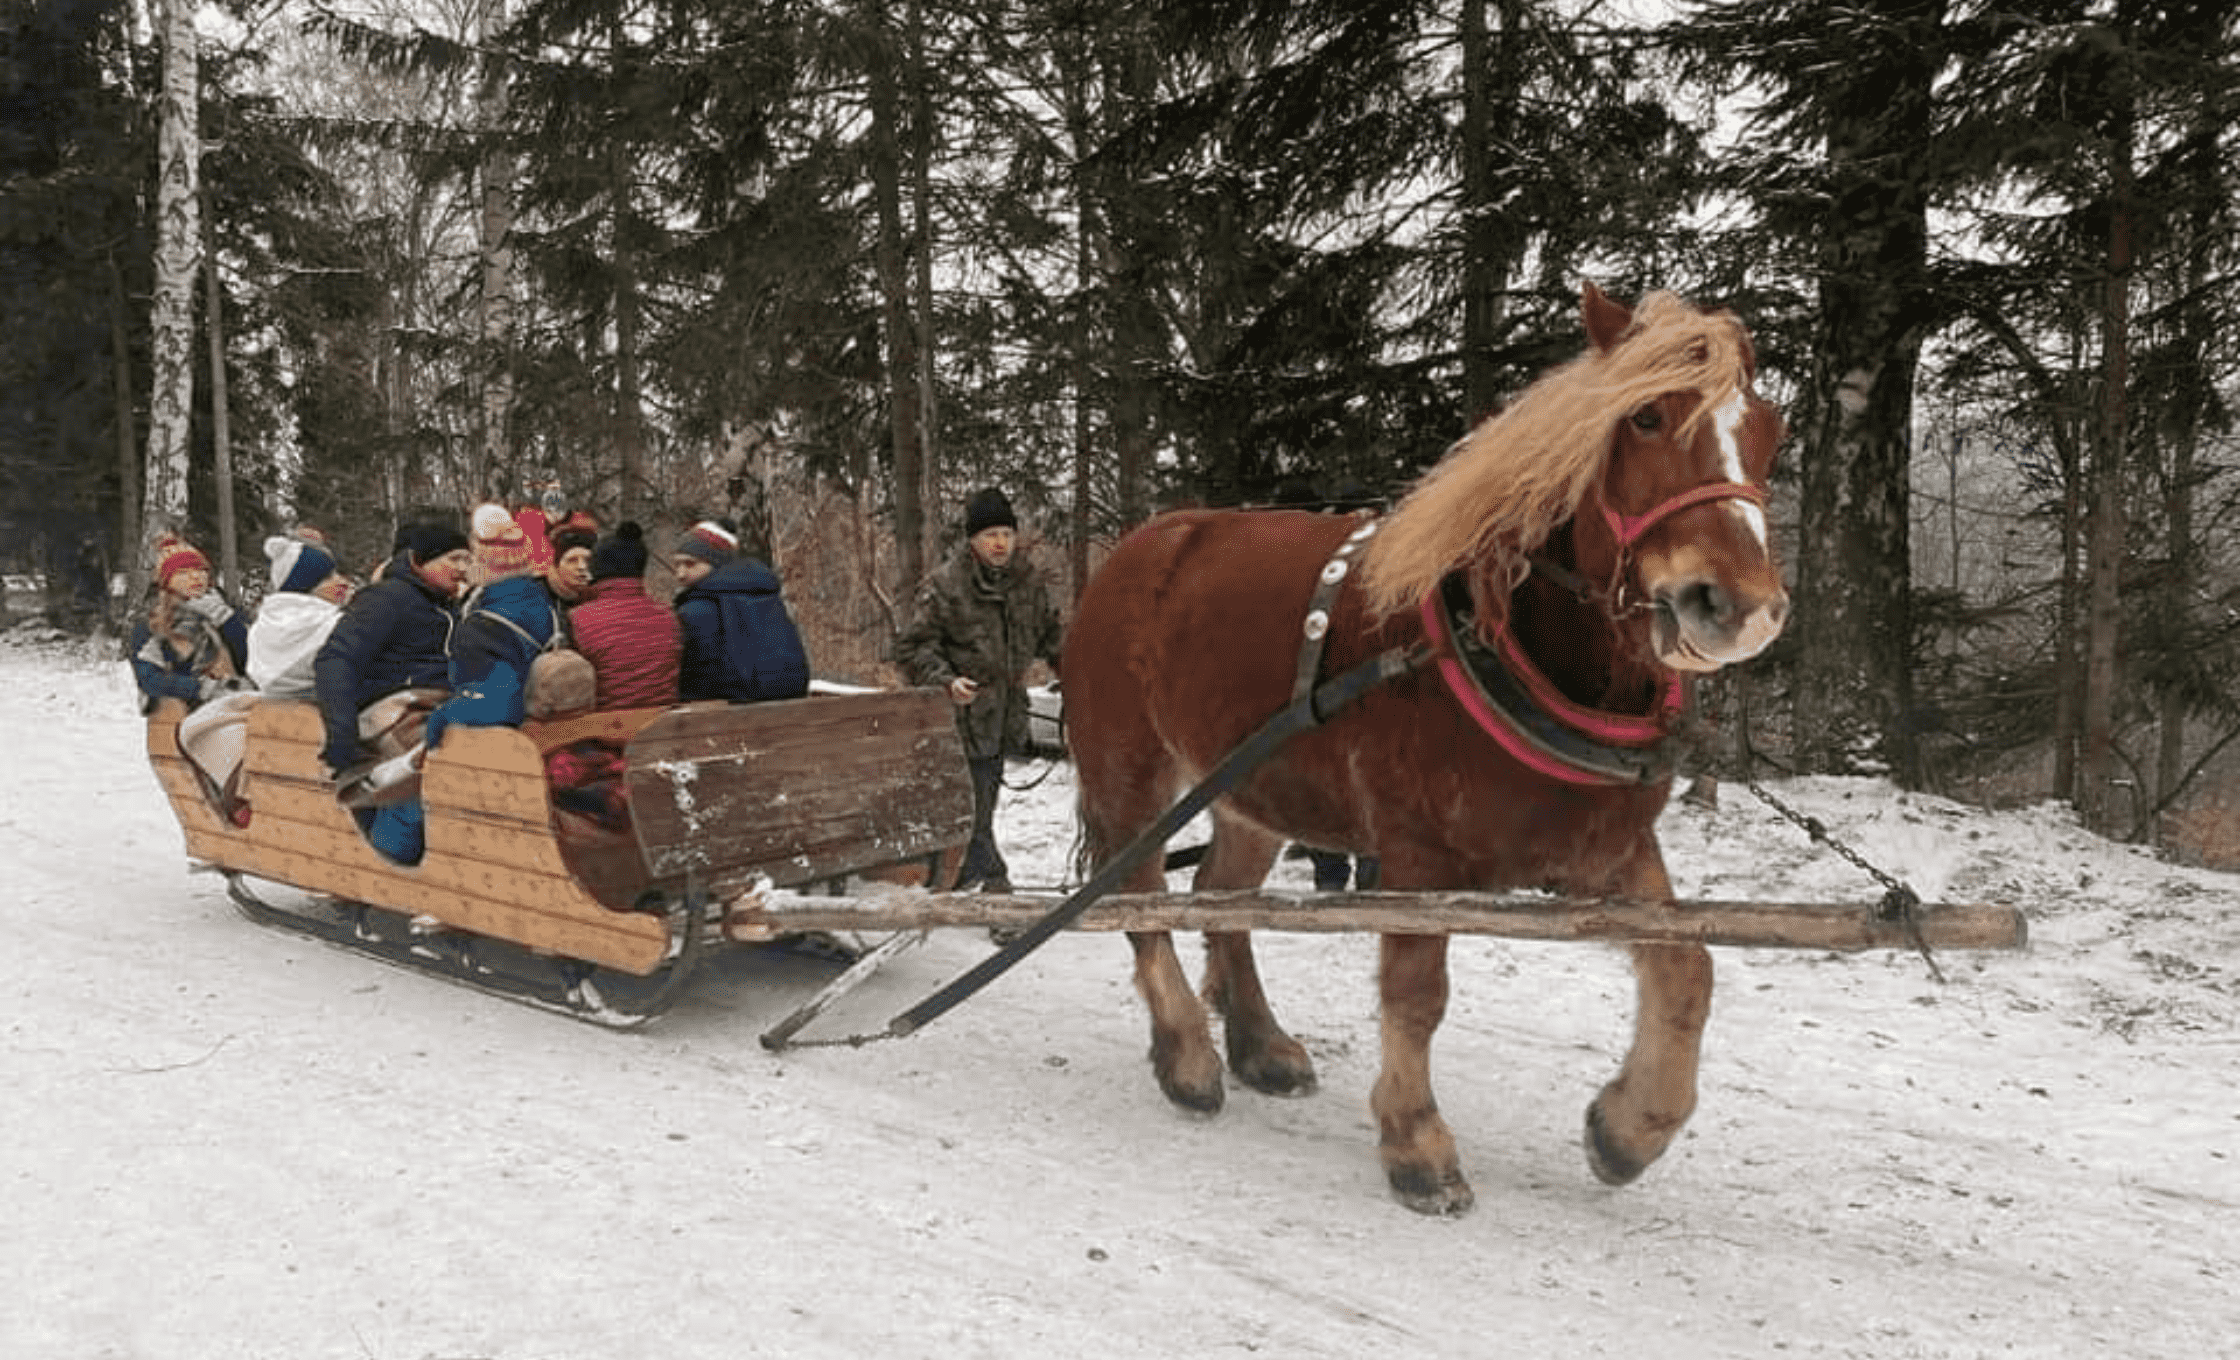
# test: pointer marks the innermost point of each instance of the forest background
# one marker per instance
(826, 266)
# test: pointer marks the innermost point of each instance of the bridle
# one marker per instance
(1628, 530)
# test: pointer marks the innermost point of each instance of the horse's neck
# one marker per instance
(1597, 662)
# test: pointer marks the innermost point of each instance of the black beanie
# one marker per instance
(622, 555)
(427, 542)
(988, 510)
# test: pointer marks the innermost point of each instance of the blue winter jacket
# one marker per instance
(740, 643)
(394, 635)
(490, 662)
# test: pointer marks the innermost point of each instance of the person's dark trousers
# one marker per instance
(983, 863)
(1333, 867)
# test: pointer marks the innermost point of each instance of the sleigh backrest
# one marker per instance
(798, 790)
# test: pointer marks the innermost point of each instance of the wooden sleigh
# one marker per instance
(517, 898)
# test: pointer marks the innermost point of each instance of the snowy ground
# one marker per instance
(226, 1142)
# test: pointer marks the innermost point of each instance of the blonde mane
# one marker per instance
(1506, 485)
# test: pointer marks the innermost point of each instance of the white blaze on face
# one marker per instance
(1727, 421)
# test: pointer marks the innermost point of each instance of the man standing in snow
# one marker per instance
(980, 621)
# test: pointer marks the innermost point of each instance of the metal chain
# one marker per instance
(1899, 902)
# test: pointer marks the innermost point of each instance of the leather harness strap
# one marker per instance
(1316, 626)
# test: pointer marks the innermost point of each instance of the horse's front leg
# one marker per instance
(1415, 1143)
(1636, 1117)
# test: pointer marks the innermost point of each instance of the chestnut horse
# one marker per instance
(1607, 531)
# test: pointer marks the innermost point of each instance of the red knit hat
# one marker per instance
(500, 548)
(173, 555)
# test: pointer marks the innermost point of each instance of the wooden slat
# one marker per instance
(285, 737)
(1839, 927)
(800, 790)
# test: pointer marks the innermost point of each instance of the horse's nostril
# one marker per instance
(1705, 602)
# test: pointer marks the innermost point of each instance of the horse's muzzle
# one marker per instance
(1701, 625)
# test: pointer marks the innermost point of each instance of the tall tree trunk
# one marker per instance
(221, 419)
(2068, 687)
(494, 244)
(1135, 335)
(1489, 241)
(128, 447)
(921, 138)
(629, 404)
(178, 173)
(1074, 58)
(1854, 574)
(2177, 601)
(2096, 765)
(629, 309)
(894, 287)
(2189, 399)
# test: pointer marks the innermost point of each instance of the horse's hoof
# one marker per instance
(1197, 1098)
(1611, 1164)
(1275, 1072)
(1435, 1193)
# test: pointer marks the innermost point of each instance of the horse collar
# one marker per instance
(1519, 707)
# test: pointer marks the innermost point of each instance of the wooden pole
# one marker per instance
(1841, 927)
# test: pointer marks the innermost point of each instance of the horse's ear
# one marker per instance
(1606, 320)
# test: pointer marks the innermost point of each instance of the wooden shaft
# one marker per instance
(1842, 927)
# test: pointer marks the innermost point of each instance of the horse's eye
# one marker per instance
(1647, 419)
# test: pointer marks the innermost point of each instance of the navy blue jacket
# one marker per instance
(394, 635)
(739, 642)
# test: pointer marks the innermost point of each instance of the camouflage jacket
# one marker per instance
(989, 627)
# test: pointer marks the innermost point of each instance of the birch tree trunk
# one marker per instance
(178, 238)
(128, 448)
(921, 138)
(1490, 246)
(221, 421)
(495, 244)
(1854, 572)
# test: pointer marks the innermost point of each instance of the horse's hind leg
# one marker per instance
(1418, 1148)
(1182, 1053)
(1260, 1053)
(1636, 1116)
